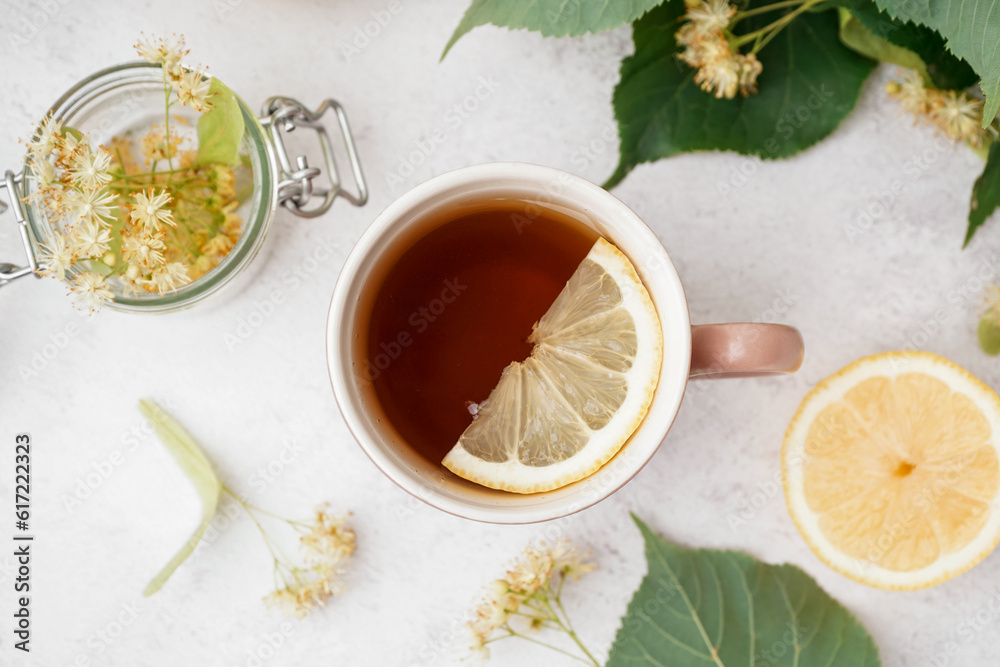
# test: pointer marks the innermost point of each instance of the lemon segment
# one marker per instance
(562, 413)
(891, 470)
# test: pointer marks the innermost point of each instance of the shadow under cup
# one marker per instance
(411, 217)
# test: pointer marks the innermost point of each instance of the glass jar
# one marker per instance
(129, 97)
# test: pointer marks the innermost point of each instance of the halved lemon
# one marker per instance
(563, 412)
(891, 470)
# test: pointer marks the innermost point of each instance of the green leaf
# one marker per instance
(73, 132)
(971, 30)
(97, 266)
(552, 18)
(220, 129)
(195, 465)
(985, 193)
(989, 335)
(940, 68)
(703, 608)
(810, 82)
(855, 35)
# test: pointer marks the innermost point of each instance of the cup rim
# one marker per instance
(669, 389)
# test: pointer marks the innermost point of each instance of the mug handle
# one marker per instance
(744, 349)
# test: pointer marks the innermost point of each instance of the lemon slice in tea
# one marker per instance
(891, 470)
(568, 408)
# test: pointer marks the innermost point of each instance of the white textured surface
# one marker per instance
(779, 236)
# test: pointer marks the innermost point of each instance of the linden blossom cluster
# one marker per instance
(722, 70)
(118, 227)
(955, 113)
(530, 595)
(327, 543)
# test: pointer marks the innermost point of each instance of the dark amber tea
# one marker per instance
(457, 307)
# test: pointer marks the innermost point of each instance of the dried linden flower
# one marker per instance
(955, 113)
(530, 593)
(722, 71)
(90, 291)
(328, 543)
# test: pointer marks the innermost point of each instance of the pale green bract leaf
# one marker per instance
(855, 35)
(552, 18)
(703, 608)
(196, 466)
(989, 335)
(73, 132)
(971, 30)
(941, 69)
(220, 129)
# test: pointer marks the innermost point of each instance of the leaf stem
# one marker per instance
(739, 16)
(277, 516)
(567, 627)
(550, 646)
(167, 88)
(268, 540)
(142, 175)
(761, 37)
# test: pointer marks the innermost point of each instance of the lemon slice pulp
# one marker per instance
(891, 470)
(569, 407)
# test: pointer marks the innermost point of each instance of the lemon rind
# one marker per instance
(606, 442)
(833, 389)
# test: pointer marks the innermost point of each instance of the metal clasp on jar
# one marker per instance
(296, 189)
(8, 272)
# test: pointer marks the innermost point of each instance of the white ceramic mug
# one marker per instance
(714, 350)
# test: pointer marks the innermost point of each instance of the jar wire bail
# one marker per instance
(8, 271)
(296, 189)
